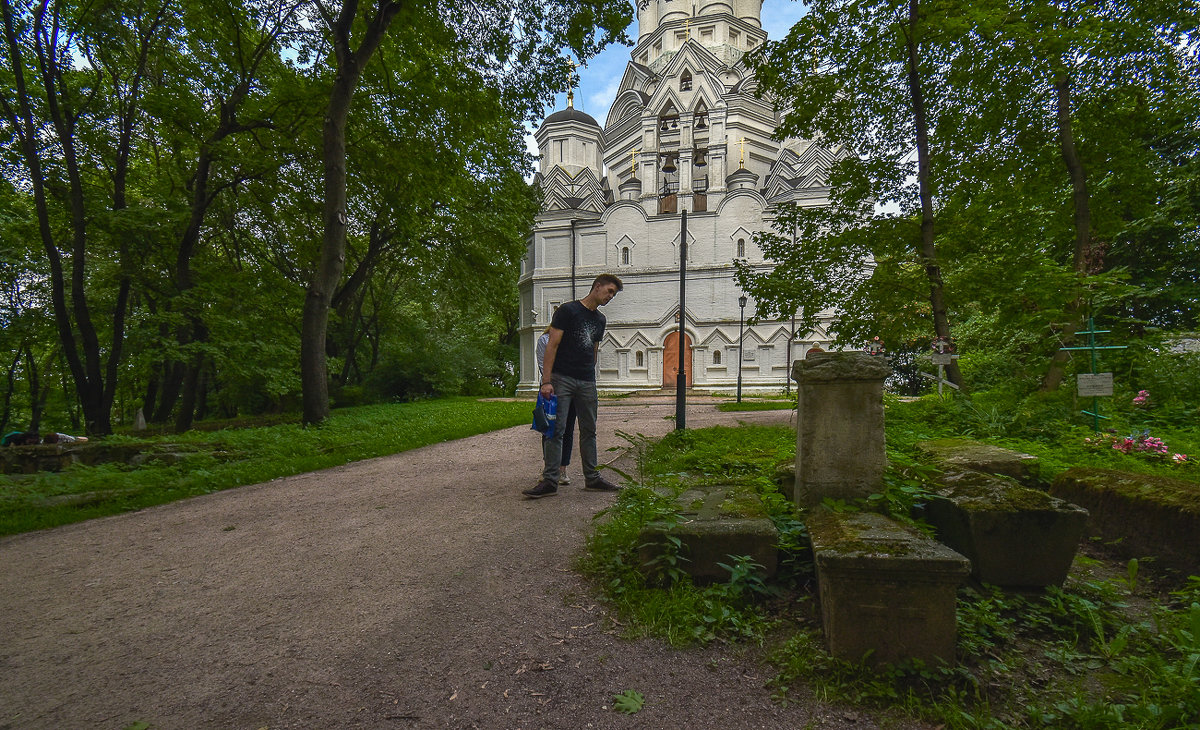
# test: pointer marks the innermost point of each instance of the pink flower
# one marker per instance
(1179, 458)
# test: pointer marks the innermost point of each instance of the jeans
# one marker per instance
(582, 395)
(568, 429)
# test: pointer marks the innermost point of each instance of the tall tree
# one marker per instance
(515, 44)
(90, 115)
(855, 77)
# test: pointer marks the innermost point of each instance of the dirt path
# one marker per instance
(412, 591)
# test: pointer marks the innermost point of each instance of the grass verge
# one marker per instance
(757, 405)
(212, 461)
(1110, 650)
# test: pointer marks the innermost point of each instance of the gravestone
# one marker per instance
(887, 591)
(713, 525)
(839, 426)
(959, 454)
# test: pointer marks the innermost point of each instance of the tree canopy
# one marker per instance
(1060, 170)
(175, 193)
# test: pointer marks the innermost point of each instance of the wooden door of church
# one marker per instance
(671, 360)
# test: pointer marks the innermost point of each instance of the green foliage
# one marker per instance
(659, 598)
(1100, 653)
(629, 702)
(1005, 212)
(757, 405)
(1046, 425)
(231, 458)
(1021, 659)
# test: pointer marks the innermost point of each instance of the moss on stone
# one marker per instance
(976, 491)
(848, 534)
(1176, 494)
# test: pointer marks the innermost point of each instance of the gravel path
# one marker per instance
(413, 591)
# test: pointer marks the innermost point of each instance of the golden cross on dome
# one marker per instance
(571, 92)
(633, 160)
(742, 162)
(687, 28)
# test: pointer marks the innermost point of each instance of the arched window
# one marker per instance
(685, 80)
(716, 357)
(639, 359)
(624, 255)
(741, 248)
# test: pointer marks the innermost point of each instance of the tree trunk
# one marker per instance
(314, 375)
(191, 391)
(8, 393)
(37, 395)
(151, 394)
(169, 394)
(1083, 224)
(202, 394)
(85, 375)
(928, 252)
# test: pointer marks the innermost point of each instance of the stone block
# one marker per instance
(965, 454)
(707, 542)
(1014, 536)
(1140, 514)
(839, 426)
(716, 522)
(887, 591)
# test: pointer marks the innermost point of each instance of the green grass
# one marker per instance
(1108, 651)
(757, 405)
(213, 461)
(660, 600)
(1047, 428)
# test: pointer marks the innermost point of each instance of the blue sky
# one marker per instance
(599, 79)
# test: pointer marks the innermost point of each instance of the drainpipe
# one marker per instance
(573, 297)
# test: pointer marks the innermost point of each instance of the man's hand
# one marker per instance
(547, 389)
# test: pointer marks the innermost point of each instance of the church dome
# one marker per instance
(571, 114)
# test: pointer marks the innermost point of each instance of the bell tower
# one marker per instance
(652, 14)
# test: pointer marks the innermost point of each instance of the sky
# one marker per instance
(599, 79)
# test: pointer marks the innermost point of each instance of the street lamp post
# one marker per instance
(681, 371)
(681, 378)
(741, 324)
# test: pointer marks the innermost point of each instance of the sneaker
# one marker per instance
(563, 480)
(600, 484)
(544, 488)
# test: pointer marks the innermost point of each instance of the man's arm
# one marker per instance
(548, 363)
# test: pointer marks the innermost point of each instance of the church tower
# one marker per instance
(685, 132)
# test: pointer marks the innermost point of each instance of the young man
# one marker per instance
(570, 374)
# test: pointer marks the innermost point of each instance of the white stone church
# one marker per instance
(685, 132)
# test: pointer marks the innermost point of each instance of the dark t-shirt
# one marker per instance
(582, 331)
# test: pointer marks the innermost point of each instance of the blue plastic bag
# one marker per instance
(545, 415)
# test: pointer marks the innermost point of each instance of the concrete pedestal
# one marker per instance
(839, 426)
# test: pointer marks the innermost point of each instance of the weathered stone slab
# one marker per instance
(839, 426)
(56, 457)
(715, 523)
(1014, 536)
(1140, 514)
(960, 454)
(886, 589)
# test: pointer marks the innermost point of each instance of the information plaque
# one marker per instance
(1095, 384)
